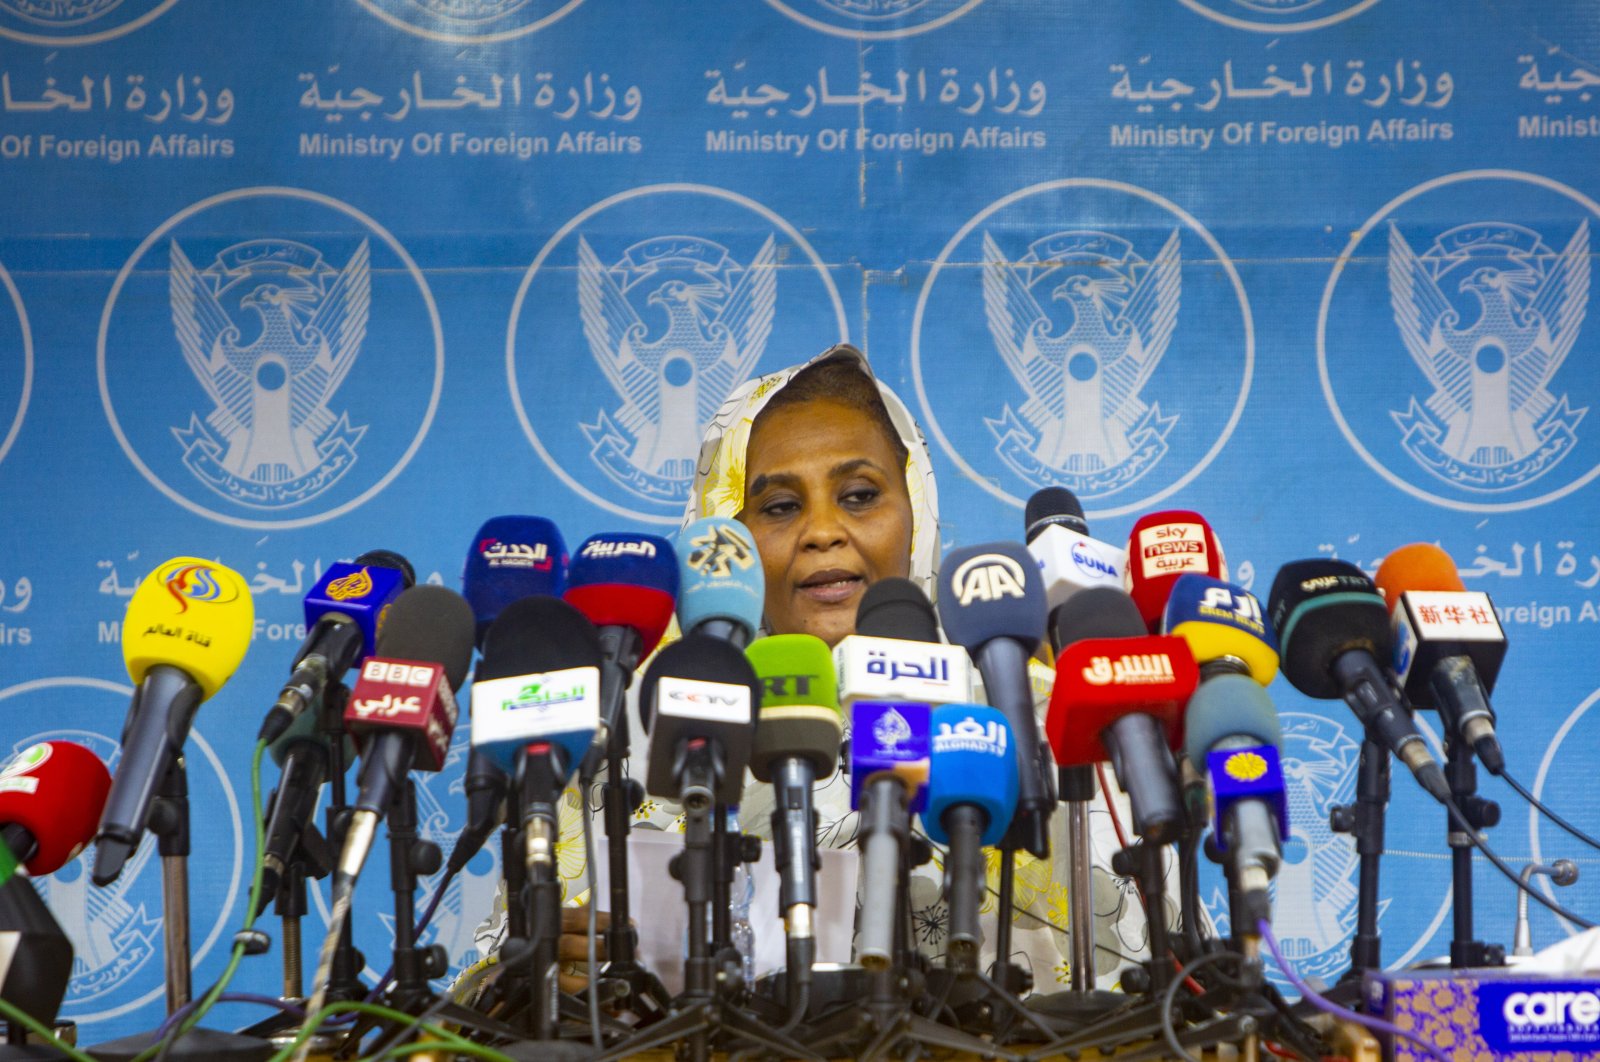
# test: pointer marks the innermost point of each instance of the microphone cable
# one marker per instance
(1481, 845)
(1525, 794)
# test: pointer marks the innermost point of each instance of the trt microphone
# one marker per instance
(889, 743)
(1333, 633)
(722, 587)
(797, 744)
(1448, 643)
(1163, 546)
(992, 603)
(1233, 729)
(1121, 698)
(512, 557)
(1069, 560)
(698, 699)
(1224, 626)
(627, 585)
(186, 631)
(51, 797)
(972, 796)
(343, 613)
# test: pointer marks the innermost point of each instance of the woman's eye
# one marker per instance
(779, 507)
(862, 495)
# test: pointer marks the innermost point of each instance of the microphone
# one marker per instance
(1448, 643)
(1224, 626)
(698, 701)
(626, 585)
(889, 749)
(186, 630)
(51, 797)
(722, 587)
(896, 654)
(897, 608)
(302, 757)
(993, 604)
(1163, 546)
(1333, 631)
(796, 745)
(1069, 560)
(404, 702)
(1233, 729)
(343, 612)
(1119, 695)
(973, 785)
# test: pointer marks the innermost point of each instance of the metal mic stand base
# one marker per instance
(201, 1045)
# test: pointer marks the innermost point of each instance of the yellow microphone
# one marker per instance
(186, 630)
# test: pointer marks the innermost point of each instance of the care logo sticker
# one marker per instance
(1454, 341)
(647, 320)
(874, 19)
(470, 21)
(1067, 352)
(270, 373)
(1278, 16)
(54, 23)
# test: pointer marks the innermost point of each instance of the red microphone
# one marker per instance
(51, 797)
(1163, 546)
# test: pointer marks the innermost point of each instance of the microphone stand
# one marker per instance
(1364, 820)
(344, 984)
(1462, 774)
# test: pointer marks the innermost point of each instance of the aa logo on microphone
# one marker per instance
(66, 22)
(1278, 16)
(874, 19)
(633, 325)
(1097, 335)
(16, 363)
(1458, 359)
(276, 378)
(470, 21)
(116, 932)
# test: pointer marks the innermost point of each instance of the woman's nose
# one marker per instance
(824, 528)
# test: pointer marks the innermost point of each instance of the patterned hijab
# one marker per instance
(719, 478)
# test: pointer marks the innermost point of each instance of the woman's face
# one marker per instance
(826, 500)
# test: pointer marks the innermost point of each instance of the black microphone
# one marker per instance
(302, 755)
(1333, 629)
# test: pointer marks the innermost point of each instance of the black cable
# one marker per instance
(1169, 999)
(594, 894)
(1511, 875)
(1548, 813)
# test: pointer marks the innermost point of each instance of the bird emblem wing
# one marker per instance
(1018, 324)
(741, 330)
(338, 328)
(1560, 304)
(1147, 320)
(614, 331)
(205, 334)
(1422, 313)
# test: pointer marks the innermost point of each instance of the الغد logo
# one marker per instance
(969, 735)
(68, 22)
(874, 19)
(1278, 16)
(1245, 766)
(1084, 425)
(357, 584)
(988, 577)
(470, 21)
(190, 581)
(721, 549)
(891, 730)
(1489, 342)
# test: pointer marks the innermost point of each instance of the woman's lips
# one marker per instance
(831, 587)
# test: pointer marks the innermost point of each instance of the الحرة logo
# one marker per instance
(988, 577)
(721, 549)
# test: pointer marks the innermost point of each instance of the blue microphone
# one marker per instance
(722, 585)
(512, 557)
(972, 795)
(992, 602)
(889, 743)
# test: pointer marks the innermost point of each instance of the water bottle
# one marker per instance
(740, 894)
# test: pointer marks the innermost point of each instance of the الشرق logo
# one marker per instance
(1084, 425)
(721, 549)
(709, 319)
(1489, 312)
(270, 439)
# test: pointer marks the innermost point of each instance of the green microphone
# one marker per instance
(797, 744)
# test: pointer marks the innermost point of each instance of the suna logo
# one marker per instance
(987, 577)
(1084, 557)
(1526, 1009)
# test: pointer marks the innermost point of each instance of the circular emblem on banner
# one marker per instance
(116, 932)
(470, 21)
(270, 374)
(874, 19)
(1278, 16)
(1457, 357)
(1058, 353)
(1314, 893)
(649, 308)
(1567, 762)
(16, 364)
(67, 22)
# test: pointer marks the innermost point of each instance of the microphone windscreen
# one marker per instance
(1419, 566)
(512, 557)
(1163, 546)
(1098, 612)
(799, 703)
(1322, 608)
(972, 760)
(360, 592)
(538, 634)
(621, 580)
(192, 614)
(699, 688)
(1219, 619)
(1229, 706)
(1053, 505)
(991, 591)
(388, 558)
(719, 574)
(430, 624)
(897, 608)
(56, 790)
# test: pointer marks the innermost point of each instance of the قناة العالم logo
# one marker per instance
(190, 581)
(270, 439)
(1489, 312)
(1084, 425)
